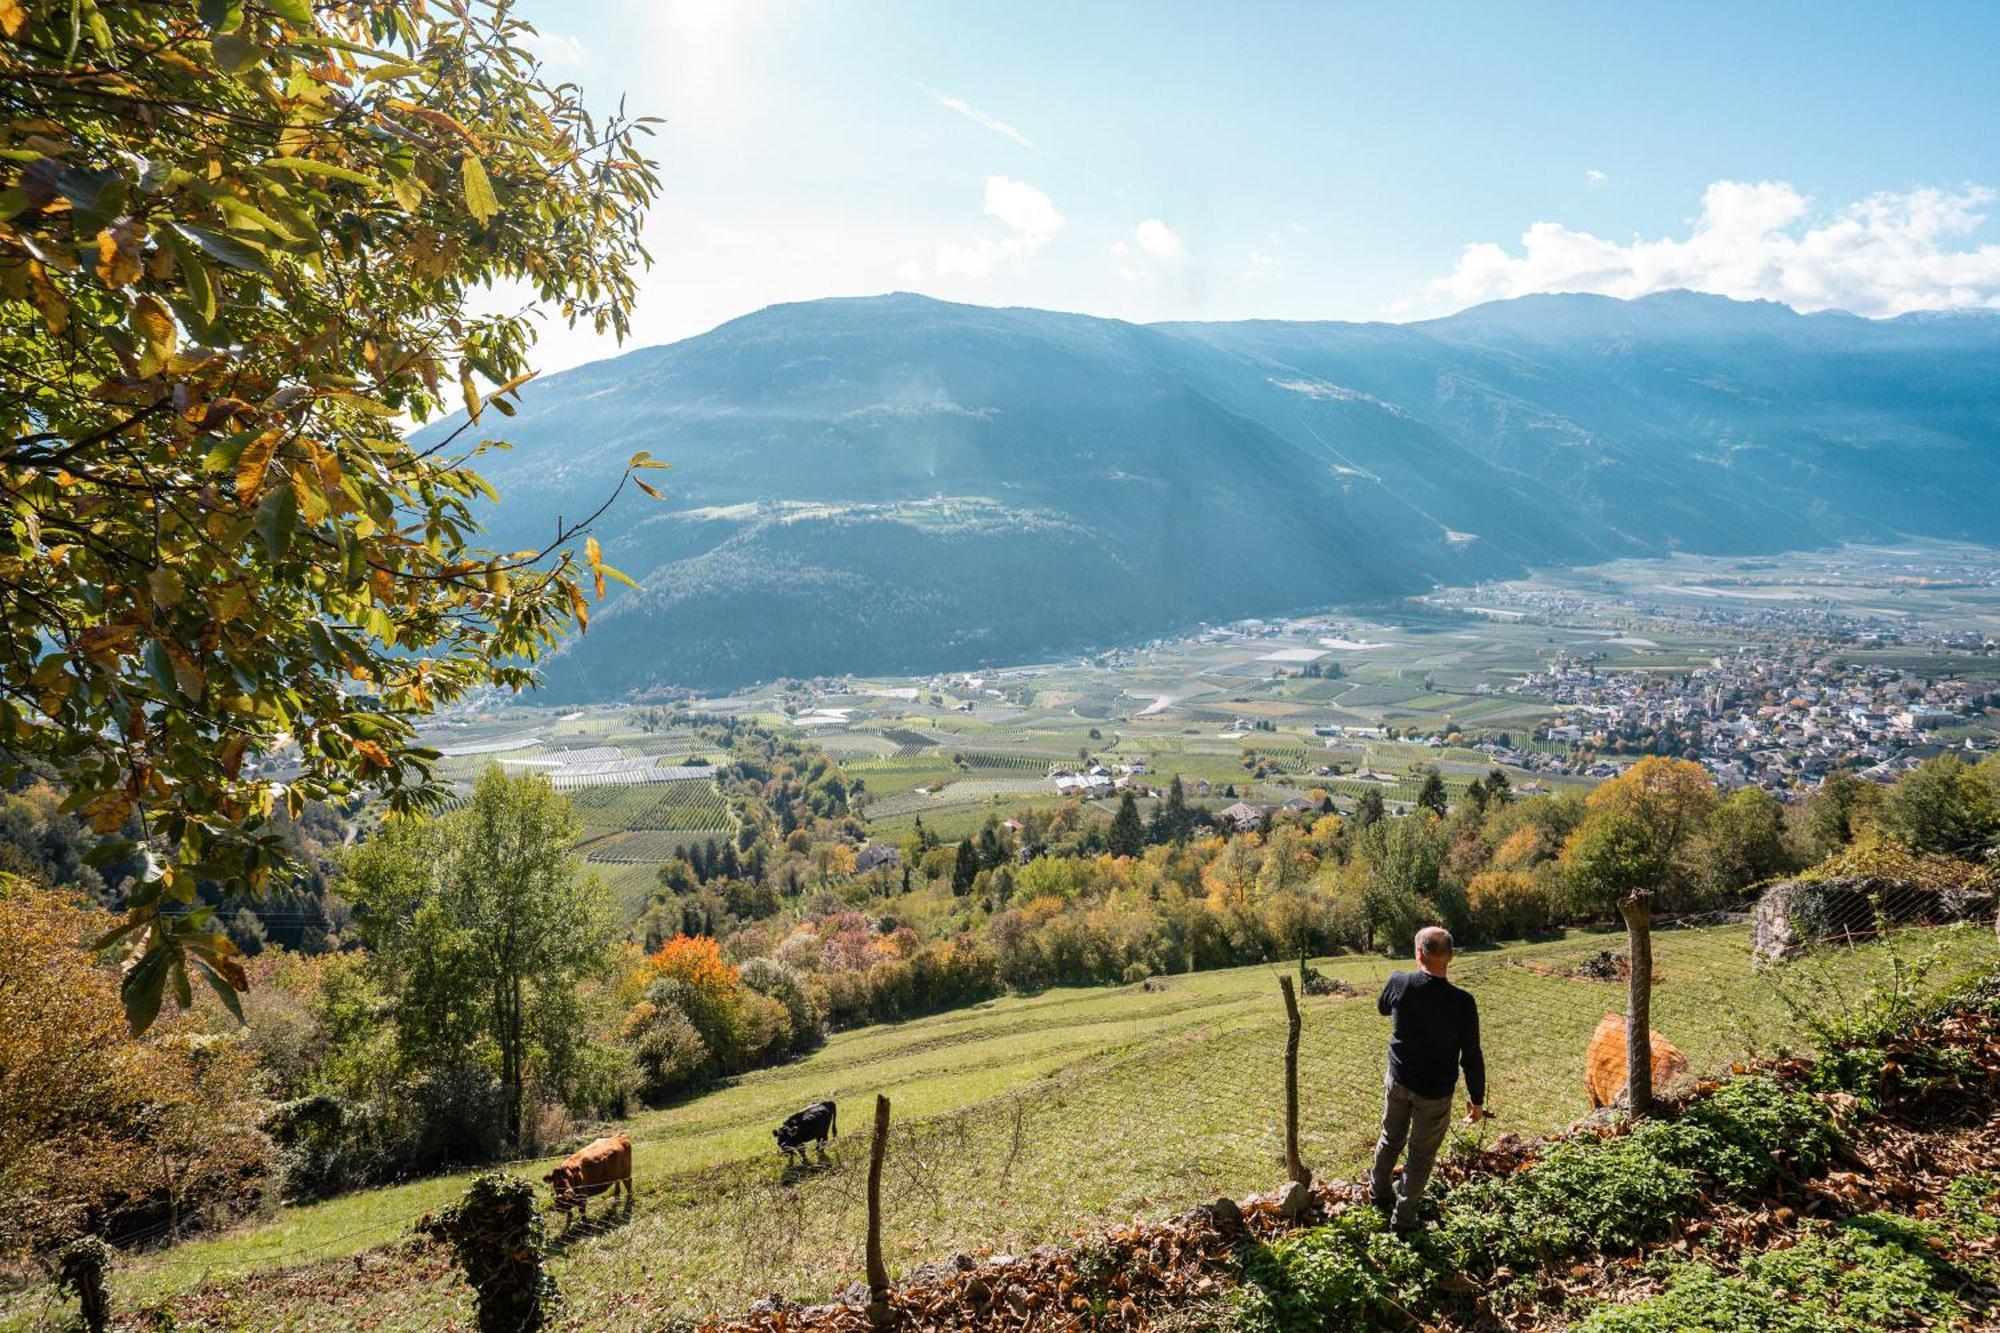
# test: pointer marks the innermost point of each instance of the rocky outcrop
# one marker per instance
(1795, 914)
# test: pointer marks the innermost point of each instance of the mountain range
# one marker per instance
(896, 484)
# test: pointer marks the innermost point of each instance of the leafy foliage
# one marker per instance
(1871, 1273)
(102, 1133)
(482, 925)
(496, 1233)
(238, 247)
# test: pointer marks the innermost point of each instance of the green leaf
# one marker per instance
(161, 668)
(194, 276)
(104, 853)
(234, 53)
(95, 197)
(228, 249)
(298, 13)
(221, 15)
(116, 933)
(307, 166)
(277, 520)
(145, 983)
(225, 991)
(479, 197)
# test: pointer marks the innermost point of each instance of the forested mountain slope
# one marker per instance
(898, 484)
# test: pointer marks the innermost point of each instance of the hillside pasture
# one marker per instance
(1018, 1122)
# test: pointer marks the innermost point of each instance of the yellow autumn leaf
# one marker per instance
(119, 262)
(480, 200)
(250, 468)
(595, 555)
(157, 332)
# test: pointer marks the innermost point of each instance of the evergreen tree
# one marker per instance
(1178, 819)
(1128, 834)
(991, 853)
(964, 869)
(1499, 790)
(1368, 809)
(1431, 796)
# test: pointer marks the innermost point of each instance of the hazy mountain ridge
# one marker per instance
(899, 484)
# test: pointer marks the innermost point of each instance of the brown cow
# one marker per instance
(1604, 1067)
(605, 1164)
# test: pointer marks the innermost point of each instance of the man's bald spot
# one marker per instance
(1434, 942)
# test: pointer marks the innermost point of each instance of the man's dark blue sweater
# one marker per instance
(1436, 1030)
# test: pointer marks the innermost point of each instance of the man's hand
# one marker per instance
(1474, 1113)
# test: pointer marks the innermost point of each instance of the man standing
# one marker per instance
(1436, 1031)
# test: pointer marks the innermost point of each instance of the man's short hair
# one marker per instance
(1434, 942)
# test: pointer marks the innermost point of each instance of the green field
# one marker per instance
(1018, 1122)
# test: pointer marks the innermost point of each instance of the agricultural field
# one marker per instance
(1173, 1088)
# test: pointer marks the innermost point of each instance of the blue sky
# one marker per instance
(1180, 161)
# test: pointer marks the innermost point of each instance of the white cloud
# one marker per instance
(1152, 246)
(1027, 213)
(558, 50)
(980, 118)
(1594, 178)
(1262, 264)
(1158, 240)
(1884, 255)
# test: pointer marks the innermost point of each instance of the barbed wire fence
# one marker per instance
(1147, 1131)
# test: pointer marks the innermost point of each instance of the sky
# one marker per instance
(1316, 161)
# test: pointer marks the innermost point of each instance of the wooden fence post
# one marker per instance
(1637, 909)
(1294, 1168)
(879, 1312)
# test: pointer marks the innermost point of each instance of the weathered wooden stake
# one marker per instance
(1294, 1168)
(878, 1272)
(1637, 910)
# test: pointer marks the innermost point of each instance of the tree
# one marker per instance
(964, 868)
(1947, 806)
(238, 250)
(1744, 842)
(1610, 855)
(1636, 830)
(1127, 836)
(1368, 808)
(1431, 795)
(1836, 814)
(101, 1131)
(1175, 815)
(480, 919)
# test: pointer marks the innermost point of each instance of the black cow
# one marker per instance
(812, 1125)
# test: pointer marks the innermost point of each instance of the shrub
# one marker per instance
(1346, 1274)
(768, 976)
(1507, 904)
(666, 1047)
(1874, 1272)
(495, 1232)
(1618, 1192)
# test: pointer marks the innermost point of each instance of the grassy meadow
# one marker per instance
(1017, 1122)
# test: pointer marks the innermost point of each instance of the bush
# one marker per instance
(666, 1047)
(1346, 1274)
(495, 1232)
(1508, 904)
(1618, 1192)
(1874, 1272)
(768, 976)
(450, 1116)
